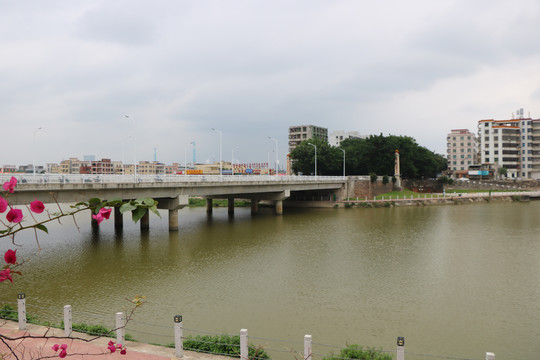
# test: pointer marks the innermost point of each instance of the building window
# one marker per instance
(496, 152)
(486, 152)
(486, 138)
(496, 160)
(486, 131)
(486, 160)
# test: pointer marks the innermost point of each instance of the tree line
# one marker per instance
(373, 155)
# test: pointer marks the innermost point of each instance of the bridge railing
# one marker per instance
(116, 179)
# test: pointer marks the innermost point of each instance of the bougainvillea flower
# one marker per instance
(63, 346)
(14, 215)
(111, 347)
(9, 186)
(10, 256)
(98, 217)
(3, 204)
(123, 351)
(37, 206)
(62, 354)
(5, 275)
(106, 213)
(56, 347)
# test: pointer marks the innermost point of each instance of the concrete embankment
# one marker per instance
(456, 199)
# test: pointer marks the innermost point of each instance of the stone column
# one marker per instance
(173, 220)
(230, 204)
(145, 221)
(208, 206)
(118, 218)
(279, 207)
(254, 206)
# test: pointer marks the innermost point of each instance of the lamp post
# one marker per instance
(315, 146)
(275, 140)
(220, 151)
(134, 150)
(34, 143)
(343, 161)
(232, 159)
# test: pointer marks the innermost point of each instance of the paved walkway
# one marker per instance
(38, 348)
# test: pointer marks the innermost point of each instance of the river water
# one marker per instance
(455, 281)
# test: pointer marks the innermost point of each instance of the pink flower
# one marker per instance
(37, 206)
(5, 275)
(123, 351)
(98, 217)
(55, 347)
(63, 346)
(3, 204)
(106, 213)
(14, 216)
(62, 353)
(10, 185)
(111, 347)
(10, 256)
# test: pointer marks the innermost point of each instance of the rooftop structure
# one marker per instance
(462, 149)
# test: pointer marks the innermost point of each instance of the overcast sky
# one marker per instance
(251, 69)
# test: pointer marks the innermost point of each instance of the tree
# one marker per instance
(329, 158)
(502, 171)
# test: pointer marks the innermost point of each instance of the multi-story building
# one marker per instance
(103, 166)
(299, 133)
(336, 137)
(462, 150)
(73, 166)
(8, 168)
(512, 144)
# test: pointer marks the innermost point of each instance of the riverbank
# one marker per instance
(426, 200)
(31, 347)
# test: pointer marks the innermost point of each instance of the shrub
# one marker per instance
(8, 312)
(373, 177)
(221, 344)
(357, 352)
(385, 179)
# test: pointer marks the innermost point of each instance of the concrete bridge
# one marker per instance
(171, 191)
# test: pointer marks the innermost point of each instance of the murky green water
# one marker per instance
(453, 280)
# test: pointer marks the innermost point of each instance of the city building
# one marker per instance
(513, 144)
(336, 137)
(73, 166)
(462, 151)
(299, 133)
(9, 169)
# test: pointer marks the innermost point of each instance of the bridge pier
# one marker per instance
(230, 205)
(173, 220)
(145, 221)
(118, 218)
(278, 207)
(254, 206)
(209, 206)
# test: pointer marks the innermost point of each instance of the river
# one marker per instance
(455, 280)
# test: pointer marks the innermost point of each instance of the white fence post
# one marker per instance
(178, 336)
(21, 306)
(244, 344)
(400, 353)
(307, 348)
(120, 328)
(68, 321)
(490, 356)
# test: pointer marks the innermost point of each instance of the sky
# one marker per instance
(140, 80)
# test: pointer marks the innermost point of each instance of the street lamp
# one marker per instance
(315, 146)
(220, 150)
(232, 159)
(134, 150)
(275, 140)
(343, 161)
(34, 143)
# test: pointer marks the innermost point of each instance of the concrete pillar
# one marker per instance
(490, 356)
(118, 218)
(68, 321)
(145, 221)
(173, 220)
(230, 204)
(120, 328)
(209, 206)
(307, 347)
(254, 207)
(244, 344)
(279, 207)
(21, 307)
(400, 352)
(178, 336)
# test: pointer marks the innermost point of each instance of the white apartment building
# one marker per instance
(462, 149)
(299, 133)
(513, 144)
(336, 137)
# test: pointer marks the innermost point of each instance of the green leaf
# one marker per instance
(154, 210)
(113, 202)
(94, 202)
(127, 207)
(42, 228)
(138, 213)
(148, 201)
